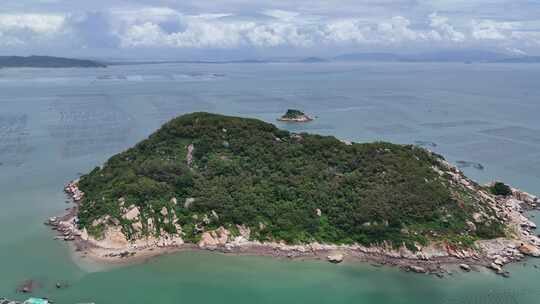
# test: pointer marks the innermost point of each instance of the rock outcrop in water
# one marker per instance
(295, 116)
(335, 258)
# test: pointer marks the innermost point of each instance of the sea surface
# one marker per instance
(56, 124)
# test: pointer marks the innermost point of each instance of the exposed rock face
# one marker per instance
(72, 189)
(189, 156)
(515, 209)
(465, 267)
(84, 235)
(417, 269)
(212, 239)
(529, 250)
(137, 226)
(525, 197)
(297, 137)
(189, 201)
(114, 238)
(302, 118)
(471, 226)
(335, 258)
(478, 217)
(495, 267)
(132, 213)
(244, 231)
(500, 260)
(99, 221)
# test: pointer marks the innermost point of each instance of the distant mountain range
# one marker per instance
(467, 56)
(525, 59)
(368, 57)
(464, 56)
(47, 62)
(313, 60)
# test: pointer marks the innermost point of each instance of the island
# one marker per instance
(293, 115)
(47, 62)
(244, 186)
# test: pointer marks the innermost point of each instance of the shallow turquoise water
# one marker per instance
(55, 124)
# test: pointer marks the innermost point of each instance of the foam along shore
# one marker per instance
(493, 254)
(28, 301)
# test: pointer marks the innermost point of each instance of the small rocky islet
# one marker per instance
(293, 115)
(241, 185)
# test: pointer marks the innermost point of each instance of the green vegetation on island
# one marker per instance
(47, 62)
(211, 170)
(499, 188)
(295, 115)
(292, 113)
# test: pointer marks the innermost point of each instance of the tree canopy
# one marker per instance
(284, 186)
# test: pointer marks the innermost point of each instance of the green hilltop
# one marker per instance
(47, 62)
(292, 113)
(299, 188)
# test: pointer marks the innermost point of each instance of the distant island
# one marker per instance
(522, 59)
(463, 56)
(313, 60)
(466, 56)
(293, 115)
(47, 62)
(241, 185)
(448, 56)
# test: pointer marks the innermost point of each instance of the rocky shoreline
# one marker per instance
(434, 259)
(302, 118)
(293, 115)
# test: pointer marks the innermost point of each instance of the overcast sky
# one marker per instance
(264, 28)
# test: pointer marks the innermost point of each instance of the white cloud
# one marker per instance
(265, 36)
(20, 29)
(443, 30)
(515, 51)
(397, 30)
(345, 31)
(530, 39)
(266, 26)
(200, 34)
(197, 31)
(511, 36)
(9, 41)
(147, 29)
(146, 34)
(491, 30)
(281, 14)
(149, 14)
(39, 24)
